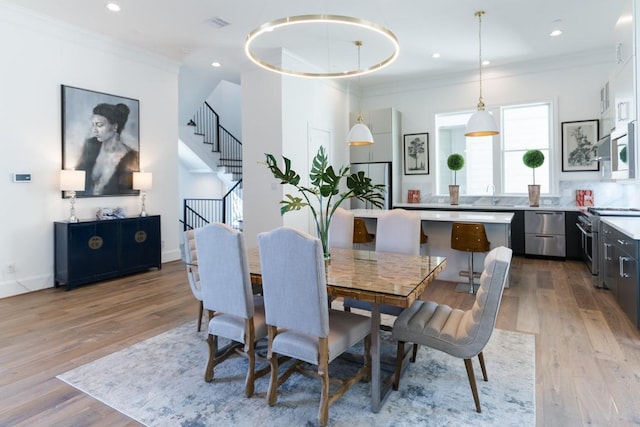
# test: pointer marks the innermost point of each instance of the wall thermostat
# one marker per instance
(21, 177)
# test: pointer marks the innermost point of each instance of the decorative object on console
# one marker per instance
(142, 181)
(413, 196)
(72, 181)
(580, 146)
(416, 154)
(584, 198)
(323, 185)
(111, 213)
(481, 123)
(533, 159)
(455, 162)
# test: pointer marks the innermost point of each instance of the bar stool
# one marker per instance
(469, 237)
(360, 232)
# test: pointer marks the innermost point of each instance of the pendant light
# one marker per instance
(359, 134)
(481, 122)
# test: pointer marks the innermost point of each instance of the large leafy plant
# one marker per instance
(323, 195)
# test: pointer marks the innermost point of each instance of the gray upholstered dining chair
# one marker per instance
(234, 312)
(341, 229)
(462, 334)
(300, 323)
(191, 262)
(397, 231)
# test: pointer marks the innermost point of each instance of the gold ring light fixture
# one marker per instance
(326, 35)
(481, 123)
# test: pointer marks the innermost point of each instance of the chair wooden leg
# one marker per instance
(249, 349)
(415, 353)
(323, 371)
(472, 383)
(483, 367)
(213, 344)
(272, 394)
(200, 311)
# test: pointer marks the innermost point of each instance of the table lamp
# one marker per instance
(72, 181)
(142, 181)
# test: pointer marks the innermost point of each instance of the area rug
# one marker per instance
(159, 382)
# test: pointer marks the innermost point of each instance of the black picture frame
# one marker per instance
(82, 141)
(580, 145)
(416, 153)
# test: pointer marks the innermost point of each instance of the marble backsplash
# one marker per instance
(605, 194)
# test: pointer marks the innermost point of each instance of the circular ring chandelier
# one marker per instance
(269, 28)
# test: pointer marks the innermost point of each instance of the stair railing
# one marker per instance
(228, 210)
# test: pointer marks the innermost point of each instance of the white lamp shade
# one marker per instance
(72, 180)
(142, 180)
(360, 135)
(481, 123)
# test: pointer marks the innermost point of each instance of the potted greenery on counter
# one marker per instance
(533, 159)
(455, 162)
(323, 195)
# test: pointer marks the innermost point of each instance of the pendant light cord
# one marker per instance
(479, 15)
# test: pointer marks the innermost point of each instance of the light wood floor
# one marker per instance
(587, 351)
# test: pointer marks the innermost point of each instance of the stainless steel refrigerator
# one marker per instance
(380, 173)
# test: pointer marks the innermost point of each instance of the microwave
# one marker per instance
(623, 152)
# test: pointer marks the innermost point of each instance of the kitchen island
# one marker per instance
(437, 226)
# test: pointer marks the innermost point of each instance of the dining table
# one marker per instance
(378, 278)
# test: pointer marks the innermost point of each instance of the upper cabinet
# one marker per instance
(623, 79)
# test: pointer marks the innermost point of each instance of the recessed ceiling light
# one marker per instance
(215, 64)
(555, 33)
(113, 7)
(486, 62)
(435, 55)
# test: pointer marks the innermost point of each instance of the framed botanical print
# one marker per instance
(416, 154)
(580, 145)
(101, 135)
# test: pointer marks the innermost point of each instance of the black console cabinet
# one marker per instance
(89, 251)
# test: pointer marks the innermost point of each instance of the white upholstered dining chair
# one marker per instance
(341, 229)
(300, 324)
(397, 231)
(234, 312)
(462, 334)
(191, 263)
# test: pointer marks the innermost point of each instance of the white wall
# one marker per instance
(572, 84)
(39, 55)
(226, 99)
(277, 115)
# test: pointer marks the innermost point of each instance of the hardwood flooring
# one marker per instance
(587, 351)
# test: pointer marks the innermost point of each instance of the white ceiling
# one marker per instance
(512, 30)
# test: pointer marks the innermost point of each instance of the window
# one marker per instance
(495, 164)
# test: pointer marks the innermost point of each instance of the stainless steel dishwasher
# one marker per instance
(544, 233)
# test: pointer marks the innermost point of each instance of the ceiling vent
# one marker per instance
(217, 22)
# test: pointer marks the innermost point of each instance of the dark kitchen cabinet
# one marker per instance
(621, 275)
(573, 236)
(90, 251)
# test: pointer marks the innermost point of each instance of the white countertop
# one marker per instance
(447, 216)
(628, 226)
(465, 207)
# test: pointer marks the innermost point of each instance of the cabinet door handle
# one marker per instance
(619, 53)
(606, 251)
(622, 260)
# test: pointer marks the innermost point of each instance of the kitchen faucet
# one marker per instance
(494, 199)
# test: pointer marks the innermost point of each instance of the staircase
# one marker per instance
(206, 123)
(228, 151)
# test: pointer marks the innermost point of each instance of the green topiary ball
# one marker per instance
(533, 159)
(455, 162)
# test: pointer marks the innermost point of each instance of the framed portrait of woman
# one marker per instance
(101, 135)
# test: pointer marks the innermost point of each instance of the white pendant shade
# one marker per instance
(481, 123)
(360, 135)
